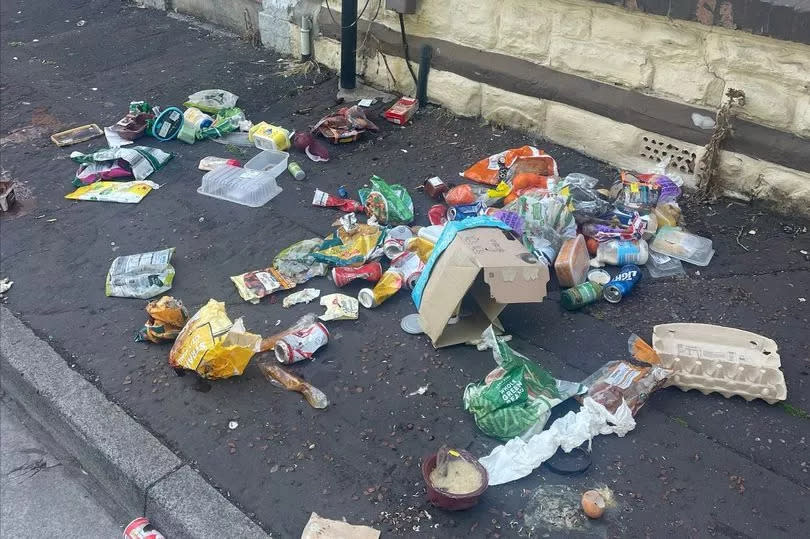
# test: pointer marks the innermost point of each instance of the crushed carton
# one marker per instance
(475, 278)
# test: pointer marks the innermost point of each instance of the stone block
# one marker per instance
(456, 93)
(327, 52)
(788, 189)
(509, 109)
(608, 62)
(686, 78)
(517, 38)
(738, 173)
(788, 63)
(276, 33)
(801, 125)
(646, 30)
(569, 19)
(471, 23)
(594, 135)
(767, 100)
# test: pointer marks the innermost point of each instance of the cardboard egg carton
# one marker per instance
(717, 359)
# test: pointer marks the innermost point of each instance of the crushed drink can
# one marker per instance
(394, 243)
(437, 214)
(462, 211)
(370, 272)
(580, 295)
(622, 284)
(140, 528)
(410, 266)
(388, 285)
(301, 344)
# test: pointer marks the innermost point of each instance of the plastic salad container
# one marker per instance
(252, 188)
(682, 245)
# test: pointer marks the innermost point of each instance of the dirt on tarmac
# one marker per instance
(696, 465)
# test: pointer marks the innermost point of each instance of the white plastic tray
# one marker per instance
(247, 187)
(272, 161)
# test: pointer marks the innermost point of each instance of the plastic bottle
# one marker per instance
(197, 118)
(620, 252)
(276, 373)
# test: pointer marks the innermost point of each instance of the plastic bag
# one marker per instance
(142, 160)
(106, 170)
(226, 121)
(583, 199)
(124, 192)
(212, 345)
(495, 168)
(621, 381)
(141, 276)
(547, 222)
(211, 101)
(390, 204)
(342, 248)
(254, 285)
(166, 318)
(516, 398)
(297, 263)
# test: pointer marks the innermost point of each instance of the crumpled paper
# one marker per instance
(339, 307)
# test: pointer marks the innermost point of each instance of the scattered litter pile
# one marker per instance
(482, 246)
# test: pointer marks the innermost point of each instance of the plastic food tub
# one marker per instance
(271, 161)
(445, 500)
(247, 187)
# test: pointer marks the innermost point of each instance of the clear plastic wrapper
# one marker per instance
(284, 378)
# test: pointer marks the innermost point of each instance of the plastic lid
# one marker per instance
(599, 276)
(412, 324)
(577, 461)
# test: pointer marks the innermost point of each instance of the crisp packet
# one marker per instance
(254, 285)
(212, 345)
(339, 307)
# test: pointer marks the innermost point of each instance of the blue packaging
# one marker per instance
(462, 211)
(622, 283)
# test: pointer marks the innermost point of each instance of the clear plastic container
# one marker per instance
(252, 188)
(271, 161)
(682, 245)
(664, 266)
(572, 262)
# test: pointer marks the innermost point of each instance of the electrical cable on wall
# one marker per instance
(405, 47)
(329, 9)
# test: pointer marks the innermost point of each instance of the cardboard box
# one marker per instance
(483, 271)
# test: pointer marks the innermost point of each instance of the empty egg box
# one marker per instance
(722, 360)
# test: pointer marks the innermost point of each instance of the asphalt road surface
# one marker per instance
(696, 465)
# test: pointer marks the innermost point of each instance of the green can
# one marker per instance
(296, 171)
(580, 296)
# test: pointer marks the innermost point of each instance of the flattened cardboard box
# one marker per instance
(483, 270)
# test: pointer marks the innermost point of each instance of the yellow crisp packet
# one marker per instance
(212, 345)
(501, 190)
(125, 192)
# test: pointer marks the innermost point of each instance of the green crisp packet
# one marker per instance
(390, 204)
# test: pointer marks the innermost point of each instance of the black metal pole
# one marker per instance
(424, 69)
(348, 44)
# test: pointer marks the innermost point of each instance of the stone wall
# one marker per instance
(679, 60)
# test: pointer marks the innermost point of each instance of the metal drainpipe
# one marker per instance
(348, 45)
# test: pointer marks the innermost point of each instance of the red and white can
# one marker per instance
(437, 214)
(370, 272)
(410, 266)
(302, 344)
(394, 243)
(140, 528)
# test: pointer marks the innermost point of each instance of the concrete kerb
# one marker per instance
(133, 467)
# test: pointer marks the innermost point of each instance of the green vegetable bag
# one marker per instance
(516, 398)
(390, 204)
